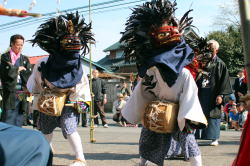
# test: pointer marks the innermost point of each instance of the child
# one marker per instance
(219, 113)
(118, 105)
(228, 106)
(125, 96)
(234, 118)
(242, 114)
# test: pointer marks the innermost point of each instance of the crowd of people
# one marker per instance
(180, 82)
(234, 115)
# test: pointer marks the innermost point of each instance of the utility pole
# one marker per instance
(92, 139)
(244, 6)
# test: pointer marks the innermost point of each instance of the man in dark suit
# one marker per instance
(215, 83)
(15, 70)
(240, 87)
(100, 98)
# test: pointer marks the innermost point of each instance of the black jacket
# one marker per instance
(98, 88)
(8, 76)
(239, 87)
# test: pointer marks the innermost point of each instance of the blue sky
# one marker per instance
(107, 25)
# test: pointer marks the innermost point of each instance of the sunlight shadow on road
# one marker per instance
(100, 156)
(110, 156)
(221, 143)
(117, 143)
(66, 156)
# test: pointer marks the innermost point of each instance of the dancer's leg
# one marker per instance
(76, 144)
(196, 161)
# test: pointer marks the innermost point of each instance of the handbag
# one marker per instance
(215, 113)
(161, 117)
(51, 102)
(117, 117)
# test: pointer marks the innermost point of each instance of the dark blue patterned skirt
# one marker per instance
(67, 122)
(155, 147)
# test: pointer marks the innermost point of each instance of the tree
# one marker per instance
(228, 15)
(229, 38)
(231, 47)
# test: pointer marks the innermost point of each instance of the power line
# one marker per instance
(72, 9)
(11, 26)
(15, 24)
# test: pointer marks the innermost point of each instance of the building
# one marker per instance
(85, 64)
(112, 80)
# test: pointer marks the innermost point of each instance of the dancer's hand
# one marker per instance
(21, 68)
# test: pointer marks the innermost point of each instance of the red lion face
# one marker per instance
(166, 35)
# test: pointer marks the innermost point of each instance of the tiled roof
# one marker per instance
(96, 64)
(115, 46)
(34, 59)
(106, 61)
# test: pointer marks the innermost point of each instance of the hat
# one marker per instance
(120, 95)
(231, 98)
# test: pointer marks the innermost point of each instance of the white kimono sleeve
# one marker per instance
(189, 104)
(34, 84)
(135, 106)
(82, 91)
(35, 80)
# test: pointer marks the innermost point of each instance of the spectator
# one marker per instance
(215, 82)
(15, 70)
(242, 114)
(125, 89)
(234, 118)
(242, 157)
(100, 98)
(85, 119)
(240, 87)
(228, 106)
(125, 96)
(219, 107)
(138, 78)
(118, 105)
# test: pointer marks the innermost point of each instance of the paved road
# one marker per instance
(118, 146)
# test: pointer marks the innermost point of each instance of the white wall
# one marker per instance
(119, 53)
(85, 67)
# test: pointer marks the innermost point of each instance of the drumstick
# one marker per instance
(71, 104)
(31, 14)
(17, 12)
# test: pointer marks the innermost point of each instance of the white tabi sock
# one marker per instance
(49, 139)
(196, 161)
(76, 144)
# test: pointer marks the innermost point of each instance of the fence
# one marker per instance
(112, 90)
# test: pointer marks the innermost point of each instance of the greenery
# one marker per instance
(231, 47)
